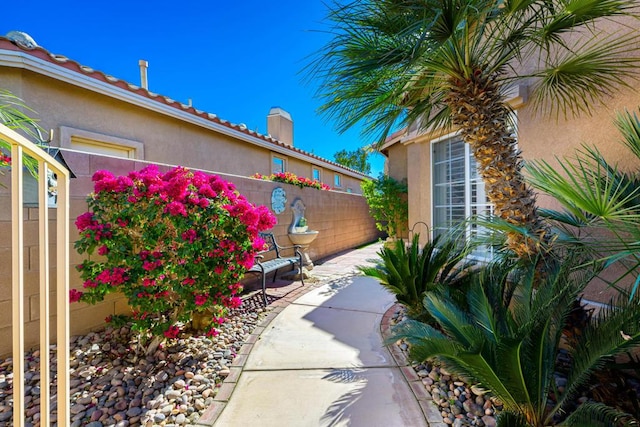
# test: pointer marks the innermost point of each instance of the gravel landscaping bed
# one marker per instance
(110, 386)
(459, 404)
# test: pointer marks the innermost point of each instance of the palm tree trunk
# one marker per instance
(480, 113)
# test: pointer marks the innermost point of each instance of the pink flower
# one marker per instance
(84, 221)
(267, 219)
(4, 160)
(213, 332)
(124, 183)
(176, 208)
(75, 295)
(149, 265)
(155, 216)
(200, 299)
(189, 235)
(114, 277)
(259, 244)
(235, 288)
(106, 185)
(245, 260)
(172, 332)
(205, 190)
(219, 320)
(101, 175)
(147, 282)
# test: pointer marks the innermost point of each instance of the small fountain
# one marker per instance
(299, 235)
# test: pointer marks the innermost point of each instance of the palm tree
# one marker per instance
(451, 63)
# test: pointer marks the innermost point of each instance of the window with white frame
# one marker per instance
(315, 174)
(337, 181)
(96, 143)
(278, 164)
(458, 189)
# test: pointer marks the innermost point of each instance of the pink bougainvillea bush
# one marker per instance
(174, 244)
(293, 179)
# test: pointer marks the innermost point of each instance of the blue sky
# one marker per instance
(233, 59)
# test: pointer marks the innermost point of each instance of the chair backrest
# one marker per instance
(270, 240)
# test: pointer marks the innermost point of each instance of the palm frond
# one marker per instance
(598, 415)
(585, 189)
(15, 114)
(574, 14)
(629, 126)
(576, 78)
(613, 331)
(583, 219)
(427, 343)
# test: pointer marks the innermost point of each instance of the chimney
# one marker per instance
(280, 125)
(143, 73)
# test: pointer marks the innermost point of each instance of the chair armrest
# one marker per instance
(288, 247)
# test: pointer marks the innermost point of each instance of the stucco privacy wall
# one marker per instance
(342, 219)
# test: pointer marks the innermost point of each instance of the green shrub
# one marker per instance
(388, 205)
(506, 336)
(410, 272)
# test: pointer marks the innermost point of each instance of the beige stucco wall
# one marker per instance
(546, 139)
(419, 185)
(341, 218)
(396, 164)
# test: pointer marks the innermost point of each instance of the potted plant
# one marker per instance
(301, 227)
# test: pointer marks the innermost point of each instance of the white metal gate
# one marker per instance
(19, 147)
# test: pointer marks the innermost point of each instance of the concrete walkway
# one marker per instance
(320, 360)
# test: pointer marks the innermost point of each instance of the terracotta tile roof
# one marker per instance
(69, 64)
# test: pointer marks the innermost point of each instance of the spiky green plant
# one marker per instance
(507, 337)
(409, 272)
(453, 63)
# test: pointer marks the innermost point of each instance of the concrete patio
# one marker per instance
(318, 359)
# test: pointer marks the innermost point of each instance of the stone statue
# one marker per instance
(298, 212)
